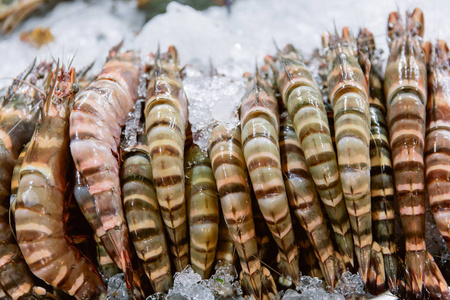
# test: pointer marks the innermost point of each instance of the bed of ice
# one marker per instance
(232, 43)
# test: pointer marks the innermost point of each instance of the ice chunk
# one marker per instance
(157, 296)
(223, 283)
(212, 99)
(187, 285)
(350, 284)
(291, 295)
(117, 288)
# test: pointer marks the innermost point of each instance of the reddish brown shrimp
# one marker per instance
(40, 208)
(98, 114)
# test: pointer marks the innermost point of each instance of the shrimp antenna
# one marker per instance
(20, 78)
(48, 99)
(71, 60)
(282, 60)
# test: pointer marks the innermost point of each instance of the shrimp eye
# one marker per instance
(75, 88)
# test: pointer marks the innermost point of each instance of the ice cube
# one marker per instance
(117, 288)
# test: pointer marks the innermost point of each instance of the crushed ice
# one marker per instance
(117, 288)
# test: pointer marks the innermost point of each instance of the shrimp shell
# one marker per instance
(98, 114)
(39, 215)
(231, 177)
(260, 128)
(348, 93)
(165, 124)
(303, 198)
(203, 210)
(305, 106)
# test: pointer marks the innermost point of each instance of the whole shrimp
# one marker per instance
(231, 177)
(141, 206)
(348, 93)
(40, 207)
(226, 249)
(406, 94)
(260, 129)
(98, 114)
(303, 198)
(381, 172)
(303, 101)
(203, 210)
(165, 124)
(437, 142)
(19, 112)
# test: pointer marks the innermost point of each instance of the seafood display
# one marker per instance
(109, 189)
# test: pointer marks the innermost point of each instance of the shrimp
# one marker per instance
(309, 264)
(203, 210)
(376, 277)
(381, 172)
(348, 93)
(437, 142)
(141, 206)
(304, 104)
(406, 95)
(260, 129)
(232, 183)
(97, 116)
(40, 207)
(303, 198)
(19, 113)
(165, 124)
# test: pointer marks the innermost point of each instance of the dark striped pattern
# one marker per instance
(268, 286)
(231, 177)
(406, 94)
(107, 266)
(305, 106)
(376, 278)
(381, 172)
(96, 121)
(260, 125)
(309, 264)
(143, 217)
(41, 202)
(437, 143)
(303, 198)
(165, 124)
(348, 92)
(226, 251)
(203, 210)
(18, 115)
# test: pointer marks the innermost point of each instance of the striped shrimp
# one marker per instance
(165, 124)
(260, 129)
(203, 210)
(97, 116)
(406, 94)
(437, 142)
(304, 104)
(19, 112)
(303, 198)
(376, 277)
(348, 92)
(309, 265)
(141, 206)
(381, 172)
(232, 183)
(40, 207)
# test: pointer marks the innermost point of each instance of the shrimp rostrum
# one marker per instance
(96, 121)
(41, 200)
(19, 113)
